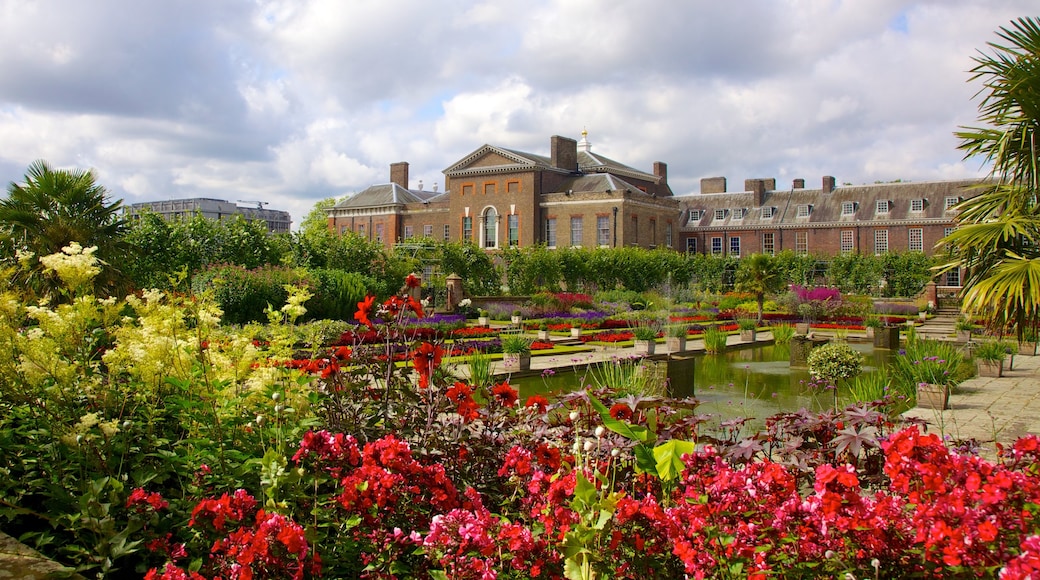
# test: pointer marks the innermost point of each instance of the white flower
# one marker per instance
(589, 445)
(574, 415)
(465, 302)
(600, 431)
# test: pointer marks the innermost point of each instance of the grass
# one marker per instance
(715, 340)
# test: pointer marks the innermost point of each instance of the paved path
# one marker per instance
(19, 561)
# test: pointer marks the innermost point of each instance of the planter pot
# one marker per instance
(575, 332)
(991, 368)
(963, 335)
(645, 346)
(543, 335)
(801, 346)
(931, 396)
(1027, 348)
(482, 321)
(747, 335)
(922, 315)
(675, 343)
(801, 327)
(515, 319)
(870, 332)
(513, 362)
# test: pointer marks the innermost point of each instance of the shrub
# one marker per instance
(782, 333)
(715, 340)
(244, 295)
(834, 361)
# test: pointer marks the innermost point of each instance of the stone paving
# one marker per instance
(19, 561)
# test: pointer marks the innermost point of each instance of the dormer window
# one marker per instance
(917, 205)
(883, 205)
(950, 202)
(738, 213)
(720, 214)
(848, 208)
(804, 210)
(695, 215)
(767, 212)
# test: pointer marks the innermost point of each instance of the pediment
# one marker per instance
(489, 159)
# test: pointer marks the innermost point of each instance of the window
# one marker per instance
(653, 232)
(361, 229)
(804, 210)
(514, 229)
(668, 234)
(880, 241)
(767, 212)
(768, 243)
(720, 214)
(734, 247)
(917, 205)
(550, 232)
(603, 230)
(695, 215)
(635, 230)
(490, 228)
(447, 233)
(490, 189)
(691, 245)
(916, 240)
(716, 246)
(883, 206)
(848, 241)
(409, 231)
(949, 202)
(801, 243)
(953, 277)
(738, 214)
(427, 231)
(379, 232)
(343, 230)
(576, 230)
(467, 228)
(947, 231)
(848, 208)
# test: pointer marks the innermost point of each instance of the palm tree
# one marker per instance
(996, 241)
(53, 208)
(758, 275)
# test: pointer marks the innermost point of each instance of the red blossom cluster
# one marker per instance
(143, 501)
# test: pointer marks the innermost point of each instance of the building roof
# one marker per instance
(815, 208)
(596, 182)
(386, 194)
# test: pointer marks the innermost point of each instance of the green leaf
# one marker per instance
(668, 458)
(633, 432)
(584, 491)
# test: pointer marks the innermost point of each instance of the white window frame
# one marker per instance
(427, 231)
(691, 245)
(603, 230)
(804, 210)
(695, 215)
(550, 232)
(513, 230)
(883, 206)
(915, 242)
(720, 214)
(848, 208)
(447, 232)
(949, 202)
(769, 247)
(880, 242)
(917, 205)
(734, 246)
(738, 213)
(716, 246)
(801, 243)
(847, 243)
(577, 230)
(767, 212)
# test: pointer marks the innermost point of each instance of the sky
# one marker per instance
(289, 102)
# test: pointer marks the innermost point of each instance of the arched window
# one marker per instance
(490, 237)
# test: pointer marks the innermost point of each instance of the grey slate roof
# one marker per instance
(588, 162)
(386, 194)
(596, 182)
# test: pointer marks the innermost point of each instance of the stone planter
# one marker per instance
(963, 335)
(887, 337)
(1027, 348)
(747, 335)
(645, 346)
(870, 332)
(482, 321)
(801, 327)
(675, 343)
(515, 319)
(514, 362)
(543, 335)
(575, 332)
(801, 346)
(990, 368)
(922, 315)
(936, 397)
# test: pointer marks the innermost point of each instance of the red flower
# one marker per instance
(621, 412)
(459, 392)
(364, 309)
(505, 394)
(426, 358)
(411, 281)
(537, 401)
(139, 498)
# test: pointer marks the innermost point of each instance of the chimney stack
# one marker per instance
(798, 184)
(399, 173)
(564, 153)
(661, 170)
(758, 188)
(828, 183)
(713, 185)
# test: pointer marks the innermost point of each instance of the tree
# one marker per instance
(996, 241)
(758, 275)
(52, 208)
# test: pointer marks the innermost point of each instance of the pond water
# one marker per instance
(748, 382)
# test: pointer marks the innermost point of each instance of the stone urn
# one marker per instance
(675, 343)
(644, 346)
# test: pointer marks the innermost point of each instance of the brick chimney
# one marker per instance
(828, 184)
(399, 173)
(758, 188)
(661, 170)
(798, 184)
(564, 153)
(713, 185)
